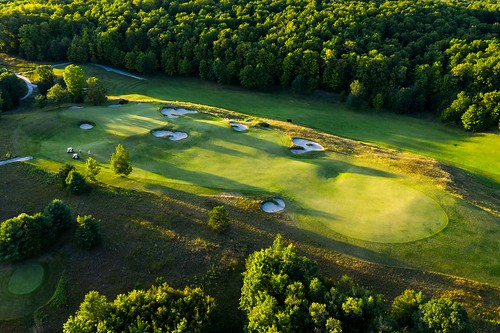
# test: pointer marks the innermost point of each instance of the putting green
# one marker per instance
(382, 210)
(26, 279)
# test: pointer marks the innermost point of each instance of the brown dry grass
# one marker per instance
(148, 235)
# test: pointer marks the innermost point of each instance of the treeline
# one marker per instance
(407, 56)
(12, 90)
(282, 292)
(26, 236)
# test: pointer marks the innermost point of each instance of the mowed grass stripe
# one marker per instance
(217, 157)
(477, 153)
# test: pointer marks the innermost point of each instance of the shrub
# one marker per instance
(24, 236)
(64, 172)
(75, 183)
(157, 309)
(120, 161)
(443, 316)
(88, 233)
(58, 214)
(218, 219)
(91, 169)
(405, 306)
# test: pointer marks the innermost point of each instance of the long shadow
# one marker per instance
(329, 167)
(203, 179)
(300, 234)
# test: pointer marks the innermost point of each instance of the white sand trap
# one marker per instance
(175, 113)
(238, 127)
(306, 146)
(274, 206)
(75, 107)
(86, 126)
(174, 136)
(114, 105)
(17, 159)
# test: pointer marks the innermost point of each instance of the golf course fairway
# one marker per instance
(359, 202)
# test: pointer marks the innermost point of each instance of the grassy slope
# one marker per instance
(477, 153)
(323, 193)
(183, 250)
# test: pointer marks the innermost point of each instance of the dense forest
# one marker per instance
(407, 56)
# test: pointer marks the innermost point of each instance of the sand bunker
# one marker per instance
(175, 113)
(273, 206)
(86, 126)
(114, 105)
(75, 107)
(174, 136)
(303, 146)
(238, 127)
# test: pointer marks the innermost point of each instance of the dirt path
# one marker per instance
(16, 159)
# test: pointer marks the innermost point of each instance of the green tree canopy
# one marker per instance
(120, 161)
(58, 214)
(91, 169)
(44, 78)
(218, 219)
(96, 93)
(157, 309)
(74, 79)
(57, 94)
(88, 233)
(75, 183)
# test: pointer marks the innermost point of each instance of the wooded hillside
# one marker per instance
(407, 56)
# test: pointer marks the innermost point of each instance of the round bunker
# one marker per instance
(175, 113)
(86, 126)
(273, 206)
(238, 127)
(303, 146)
(26, 279)
(174, 136)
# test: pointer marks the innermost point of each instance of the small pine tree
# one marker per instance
(120, 161)
(88, 234)
(75, 183)
(91, 169)
(59, 214)
(218, 219)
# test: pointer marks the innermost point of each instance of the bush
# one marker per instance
(120, 161)
(24, 236)
(443, 316)
(218, 219)
(88, 233)
(75, 183)
(58, 214)
(91, 169)
(157, 309)
(405, 306)
(64, 172)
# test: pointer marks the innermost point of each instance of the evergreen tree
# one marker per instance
(120, 161)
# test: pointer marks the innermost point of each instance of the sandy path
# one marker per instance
(28, 84)
(117, 71)
(17, 159)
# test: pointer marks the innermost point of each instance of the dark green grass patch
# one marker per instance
(26, 279)
(26, 286)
